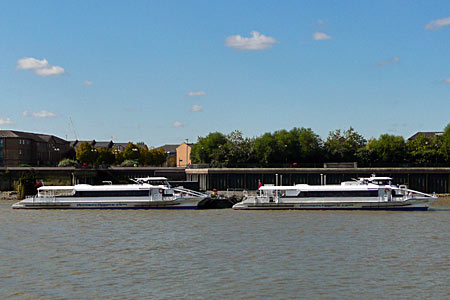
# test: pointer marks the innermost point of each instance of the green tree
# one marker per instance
(306, 146)
(131, 152)
(152, 157)
(343, 146)
(209, 149)
(387, 149)
(298, 145)
(86, 153)
(238, 150)
(159, 157)
(266, 148)
(424, 150)
(444, 150)
(105, 156)
(118, 157)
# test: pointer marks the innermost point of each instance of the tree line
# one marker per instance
(303, 147)
(132, 155)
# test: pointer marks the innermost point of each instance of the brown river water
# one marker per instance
(224, 254)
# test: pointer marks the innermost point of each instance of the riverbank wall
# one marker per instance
(10, 177)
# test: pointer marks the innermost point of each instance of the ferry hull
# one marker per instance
(401, 208)
(36, 203)
(409, 205)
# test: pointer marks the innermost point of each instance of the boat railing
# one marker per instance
(189, 192)
(41, 198)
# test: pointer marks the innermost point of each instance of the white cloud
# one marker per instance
(393, 60)
(196, 108)
(320, 36)
(256, 42)
(438, 23)
(50, 71)
(446, 80)
(177, 124)
(4, 121)
(40, 114)
(30, 63)
(40, 67)
(194, 94)
(87, 82)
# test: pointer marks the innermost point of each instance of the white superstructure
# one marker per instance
(139, 195)
(372, 193)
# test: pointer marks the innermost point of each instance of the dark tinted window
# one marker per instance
(322, 194)
(111, 193)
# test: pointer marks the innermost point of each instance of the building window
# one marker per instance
(1, 143)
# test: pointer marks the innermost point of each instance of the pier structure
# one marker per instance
(427, 180)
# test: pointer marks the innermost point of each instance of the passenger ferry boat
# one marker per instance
(373, 193)
(142, 195)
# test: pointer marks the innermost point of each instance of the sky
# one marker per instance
(161, 72)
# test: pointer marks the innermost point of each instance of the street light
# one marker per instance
(167, 157)
(187, 158)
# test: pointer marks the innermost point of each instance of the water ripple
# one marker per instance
(223, 254)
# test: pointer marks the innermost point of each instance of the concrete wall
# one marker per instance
(427, 180)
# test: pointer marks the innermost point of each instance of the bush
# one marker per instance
(129, 163)
(67, 163)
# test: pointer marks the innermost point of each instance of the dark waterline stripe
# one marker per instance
(68, 207)
(318, 208)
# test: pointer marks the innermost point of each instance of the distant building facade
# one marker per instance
(184, 155)
(171, 152)
(428, 134)
(105, 145)
(34, 149)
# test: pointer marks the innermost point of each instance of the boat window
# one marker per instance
(125, 193)
(380, 182)
(158, 182)
(56, 193)
(323, 194)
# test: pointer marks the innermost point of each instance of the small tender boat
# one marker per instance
(139, 195)
(373, 193)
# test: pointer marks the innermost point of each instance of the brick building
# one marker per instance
(34, 149)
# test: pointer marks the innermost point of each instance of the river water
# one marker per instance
(223, 254)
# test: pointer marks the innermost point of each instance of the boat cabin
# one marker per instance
(377, 180)
(153, 181)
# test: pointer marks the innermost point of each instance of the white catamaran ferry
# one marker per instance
(141, 195)
(373, 193)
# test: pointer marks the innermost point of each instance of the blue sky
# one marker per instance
(165, 71)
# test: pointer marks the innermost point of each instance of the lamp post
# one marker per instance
(59, 153)
(94, 154)
(187, 158)
(167, 158)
